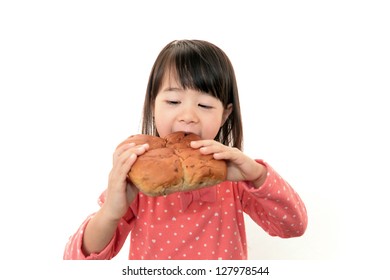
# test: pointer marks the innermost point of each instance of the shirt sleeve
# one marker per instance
(73, 249)
(275, 206)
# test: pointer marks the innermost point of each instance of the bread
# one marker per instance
(171, 165)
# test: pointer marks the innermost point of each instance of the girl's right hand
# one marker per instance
(120, 193)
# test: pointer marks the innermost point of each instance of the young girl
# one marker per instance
(192, 88)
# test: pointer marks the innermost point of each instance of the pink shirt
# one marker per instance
(203, 224)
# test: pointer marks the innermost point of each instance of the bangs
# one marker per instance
(198, 68)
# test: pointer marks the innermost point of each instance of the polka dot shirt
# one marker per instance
(202, 224)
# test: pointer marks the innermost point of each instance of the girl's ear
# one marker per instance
(226, 113)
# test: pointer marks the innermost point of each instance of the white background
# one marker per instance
(313, 80)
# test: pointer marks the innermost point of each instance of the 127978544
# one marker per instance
(241, 270)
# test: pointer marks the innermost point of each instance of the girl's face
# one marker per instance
(188, 110)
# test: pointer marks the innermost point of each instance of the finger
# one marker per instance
(231, 154)
(123, 153)
(122, 168)
(120, 149)
(201, 143)
(140, 149)
(210, 150)
(133, 153)
(125, 161)
(214, 148)
(220, 156)
(128, 158)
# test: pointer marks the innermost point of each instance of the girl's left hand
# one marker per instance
(240, 167)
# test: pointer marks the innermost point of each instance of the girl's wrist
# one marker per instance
(259, 181)
(105, 215)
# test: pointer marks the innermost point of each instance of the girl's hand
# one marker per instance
(240, 167)
(121, 193)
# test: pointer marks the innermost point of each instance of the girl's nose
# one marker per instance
(188, 115)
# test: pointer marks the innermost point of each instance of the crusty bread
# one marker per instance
(171, 165)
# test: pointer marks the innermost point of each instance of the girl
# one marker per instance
(192, 88)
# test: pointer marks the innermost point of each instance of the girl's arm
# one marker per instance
(275, 205)
(99, 229)
(74, 248)
(266, 197)
(120, 194)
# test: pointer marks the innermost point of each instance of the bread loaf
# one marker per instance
(171, 165)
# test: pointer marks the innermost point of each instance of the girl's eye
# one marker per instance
(205, 106)
(172, 102)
